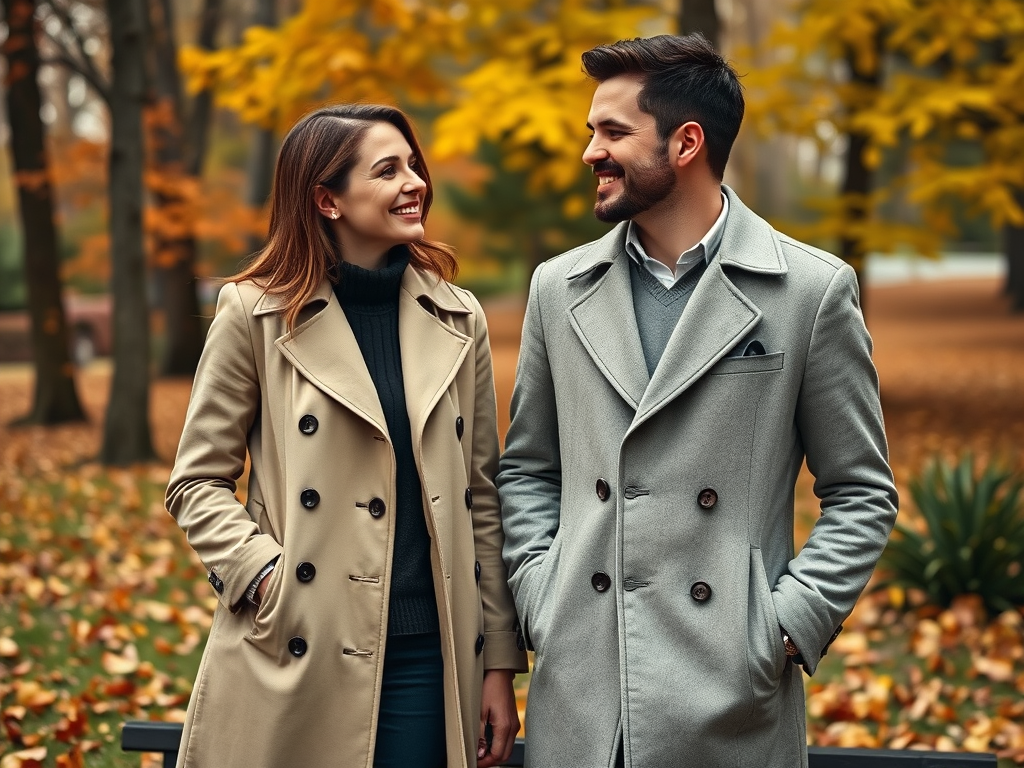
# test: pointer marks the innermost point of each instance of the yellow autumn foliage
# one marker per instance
(506, 73)
(949, 70)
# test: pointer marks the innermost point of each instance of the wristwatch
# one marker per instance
(791, 650)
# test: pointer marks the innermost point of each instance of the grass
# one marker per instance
(104, 608)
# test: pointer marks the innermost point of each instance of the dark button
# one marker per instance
(469, 498)
(297, 647)
(476, 568)
(377, 507)
(305, 572)
(308, 424)
(707, 498)
(460, 427)
(601, 581)
(700, 592)
(603, 489)
(479, 644)
(217, 583)
(309, 498)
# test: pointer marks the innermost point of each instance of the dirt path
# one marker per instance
(950, 358)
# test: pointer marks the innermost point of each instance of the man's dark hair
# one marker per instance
(685, 79)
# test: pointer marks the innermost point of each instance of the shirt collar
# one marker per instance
(707, 247)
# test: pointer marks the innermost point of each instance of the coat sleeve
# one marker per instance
(501, 650)
(211, 457)
(530, 473)
(839, 418)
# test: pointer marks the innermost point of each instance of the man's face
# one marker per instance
(630, 161)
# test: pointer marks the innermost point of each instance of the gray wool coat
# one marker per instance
(649, 520)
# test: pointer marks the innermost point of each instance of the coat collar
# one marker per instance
(421, 285)
(749, 242)
(325, 351)
(717, 316)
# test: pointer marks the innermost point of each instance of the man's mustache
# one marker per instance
(609, 166)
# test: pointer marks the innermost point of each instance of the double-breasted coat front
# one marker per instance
(649, 519)
(297, 680)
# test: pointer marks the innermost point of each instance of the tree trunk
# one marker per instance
(197, 128)
(174, 239)
(54, 398)
(700, 16)
(857, 178)
(260, 170)
(1013, 247)
(126, 433)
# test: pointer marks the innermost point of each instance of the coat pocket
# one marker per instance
(766, 658)
(543, 596)
(752, 364)
(267, 618)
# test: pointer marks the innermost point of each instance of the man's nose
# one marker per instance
(594, 152)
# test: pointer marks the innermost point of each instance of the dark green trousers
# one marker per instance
(410, 723)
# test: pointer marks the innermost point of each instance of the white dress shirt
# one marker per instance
(705, 249)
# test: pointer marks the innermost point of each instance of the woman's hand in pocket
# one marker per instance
(261, 590)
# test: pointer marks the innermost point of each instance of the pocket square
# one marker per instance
(754, 347)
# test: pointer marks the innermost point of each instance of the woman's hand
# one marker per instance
(497, 707)
(261, 589)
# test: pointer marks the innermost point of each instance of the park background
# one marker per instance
(140, 138)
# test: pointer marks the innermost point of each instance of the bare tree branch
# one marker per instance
(76, 59)
(88, 73)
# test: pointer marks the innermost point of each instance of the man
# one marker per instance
(673, 377)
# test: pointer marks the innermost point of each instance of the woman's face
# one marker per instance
(382, 205)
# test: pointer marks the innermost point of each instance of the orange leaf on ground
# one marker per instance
(31, 694)
(72, 759)
(26, 758)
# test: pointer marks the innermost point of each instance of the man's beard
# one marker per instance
(644, 187)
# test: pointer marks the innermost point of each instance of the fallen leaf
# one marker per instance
(124, 663)
(26, 758)
(8, 648)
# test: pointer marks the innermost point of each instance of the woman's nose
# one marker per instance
(414, 183)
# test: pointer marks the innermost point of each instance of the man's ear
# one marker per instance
(686, 143)
(325, 202)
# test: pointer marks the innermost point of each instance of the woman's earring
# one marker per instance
(334, 214)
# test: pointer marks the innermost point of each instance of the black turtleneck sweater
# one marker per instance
(370, 301)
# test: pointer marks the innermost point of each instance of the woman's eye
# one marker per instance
(388, 172)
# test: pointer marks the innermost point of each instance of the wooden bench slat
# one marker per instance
(152, 736)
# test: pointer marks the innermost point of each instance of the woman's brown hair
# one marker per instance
(321, 149)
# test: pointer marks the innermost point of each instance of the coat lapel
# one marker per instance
(325, 351)
(604, 319)
(718, 314)
(432, 351)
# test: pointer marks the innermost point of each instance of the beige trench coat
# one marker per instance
(257, 702)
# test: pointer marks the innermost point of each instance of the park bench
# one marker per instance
(148, 736)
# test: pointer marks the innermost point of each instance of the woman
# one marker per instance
(364, 616)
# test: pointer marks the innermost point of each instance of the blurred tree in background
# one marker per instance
(904, 80)
(894, 124)
(54, 399)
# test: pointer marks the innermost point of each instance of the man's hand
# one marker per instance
(497, 707)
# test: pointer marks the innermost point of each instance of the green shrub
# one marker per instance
(973, 541)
